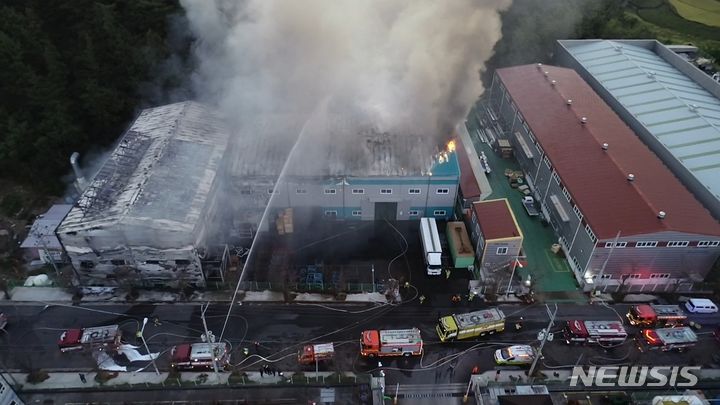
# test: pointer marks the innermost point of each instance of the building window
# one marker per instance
(708, 243)
(414, 213)
(182, 262)
(633, 276)
(117, 262)
(646, 244)
(439, 213)
(609, 245)
(273, 191)
(246, 191)
(358, 191)
(152, 262)
(331, 213)
(525, 127)
(501, 251)
(385, 191)
(678, 243)
(660, 275)
(301, 191)
(532, 138)
(514, 108)
(547, 162)
(330, 191)
(443, 191)
(86, 264)
(590, 233)
(577, 212)
(566, 193)
(414, 191)
(357, 213)
(556, 178)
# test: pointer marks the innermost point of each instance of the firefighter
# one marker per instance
(156, 321)
(518, 324)
(138, 335)
(456, 299)
(246, 351)
(407, 285)
(475, 370)
(422, 299)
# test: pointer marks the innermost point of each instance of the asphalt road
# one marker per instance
(31, 338)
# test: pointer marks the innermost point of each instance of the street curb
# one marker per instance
(139, 387)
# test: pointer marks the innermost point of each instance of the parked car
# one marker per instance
(701, 306)
(515, 355)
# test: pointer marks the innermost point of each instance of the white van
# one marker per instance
(701, 306)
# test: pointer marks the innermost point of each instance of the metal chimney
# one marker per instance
(605, 146)
(569, 101)
(553, 82)
(661, 215)
(631, 177)
(539, 66)
(80, 181)
(583, 120)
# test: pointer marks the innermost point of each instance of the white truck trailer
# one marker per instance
(431, 246)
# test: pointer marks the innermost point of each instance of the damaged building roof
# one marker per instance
(160, 173)
(328, 146)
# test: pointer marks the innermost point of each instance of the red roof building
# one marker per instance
(622, 217)
(495, 233)
(597, 178)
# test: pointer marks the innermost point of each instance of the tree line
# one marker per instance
(74, 73)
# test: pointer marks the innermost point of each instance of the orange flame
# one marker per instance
(451, 146)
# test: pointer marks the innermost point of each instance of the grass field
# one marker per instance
(702, 11)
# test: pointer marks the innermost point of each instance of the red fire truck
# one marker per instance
(310, 354)
(76, 339)
(667, 339)
(604, 333)
(199, 356)
(384, 343)
(656, 315)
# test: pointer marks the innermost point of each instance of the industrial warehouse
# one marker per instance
(622, 218)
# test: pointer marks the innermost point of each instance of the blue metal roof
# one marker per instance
(676, 110)
(449, 167)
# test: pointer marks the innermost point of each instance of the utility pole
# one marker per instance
(372, 269)
(545, 337)
(602, 269)
(213, 347)
(142, 335)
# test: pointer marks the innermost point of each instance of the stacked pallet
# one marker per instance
(284, 222)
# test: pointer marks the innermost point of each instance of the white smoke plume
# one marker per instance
(411, 67)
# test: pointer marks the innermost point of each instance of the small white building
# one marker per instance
(41, 242)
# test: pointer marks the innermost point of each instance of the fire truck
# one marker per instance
(385, 343)
(470, 325)
(667, 339)
(656, 315)
(76, 339)
(604, 333)
(199, 356)
(310, 354)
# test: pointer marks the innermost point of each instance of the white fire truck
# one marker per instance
(604, 333)
(200, 356)
(384, 343)
(76, 339)
(667, 339)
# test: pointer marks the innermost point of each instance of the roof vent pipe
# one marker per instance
(583, 120)
(553, 82)
(661, 214)
(546, 73)
(80, 181)
(631, 177)
(568, 102)
(605, 146)
(539, 66)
